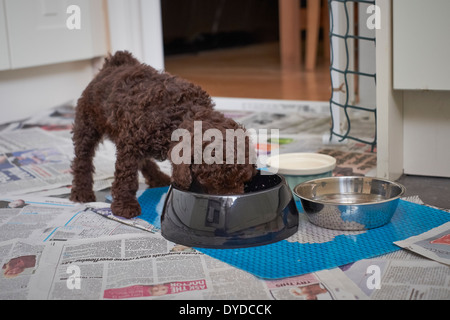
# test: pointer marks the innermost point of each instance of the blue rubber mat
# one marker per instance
(313, 248)
(152, 203)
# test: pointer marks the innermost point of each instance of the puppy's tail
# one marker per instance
(120, 58)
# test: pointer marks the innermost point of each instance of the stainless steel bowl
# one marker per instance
(349, 203)
(265, 213)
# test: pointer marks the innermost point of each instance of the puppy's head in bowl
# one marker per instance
(218, 199)
(213, 157)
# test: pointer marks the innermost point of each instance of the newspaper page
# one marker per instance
(104, 209)
(53, 219)
(304, 131)
(149, 267)
(350, 163)
(21, 218)
(28, 226)
(35, 160)
(322, 285)
(433, 244)
(58, 119)
(401, 275)
(19, 260)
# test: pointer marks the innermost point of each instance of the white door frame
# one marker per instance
(136, 26)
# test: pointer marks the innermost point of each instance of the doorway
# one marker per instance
(231, 49)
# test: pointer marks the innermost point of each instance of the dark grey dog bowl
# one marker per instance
(264, 214)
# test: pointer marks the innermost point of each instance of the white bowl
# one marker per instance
(300, 167)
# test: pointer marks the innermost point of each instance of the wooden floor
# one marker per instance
(251, 72)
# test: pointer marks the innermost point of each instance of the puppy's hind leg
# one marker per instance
(152, 174)
(85, 139)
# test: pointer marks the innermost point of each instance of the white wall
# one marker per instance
(26, 91)
(421, 46)
(413, 125)
(47, 63)
(421, 66)
(136, 26)
(133, 25)
(426, 137)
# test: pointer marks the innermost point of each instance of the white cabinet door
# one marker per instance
(421, 44)
(38, 32)
(4, 51)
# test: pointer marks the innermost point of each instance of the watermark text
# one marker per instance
(238, 146)
(74, 280)
(374, 279)
(73, 21)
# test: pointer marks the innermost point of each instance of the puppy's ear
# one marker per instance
(181, 175)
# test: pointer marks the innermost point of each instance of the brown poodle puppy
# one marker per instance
(139, 108)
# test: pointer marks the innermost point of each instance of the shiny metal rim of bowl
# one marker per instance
(349, 203)
(281, 178)
(367, 181)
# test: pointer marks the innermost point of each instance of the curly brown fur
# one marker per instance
(138, 108)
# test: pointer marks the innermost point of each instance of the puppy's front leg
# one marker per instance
(125, 183)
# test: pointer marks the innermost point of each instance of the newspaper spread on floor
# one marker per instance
(434, 244)
(401, 275)
(51, 248)
(34, 160)
(54, 249)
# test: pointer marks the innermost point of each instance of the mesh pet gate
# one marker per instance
(347, 36)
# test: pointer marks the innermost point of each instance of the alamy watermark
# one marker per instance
(374, 279)
(73, 21)
(238, 144)
(74, 280)
(374, 20)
